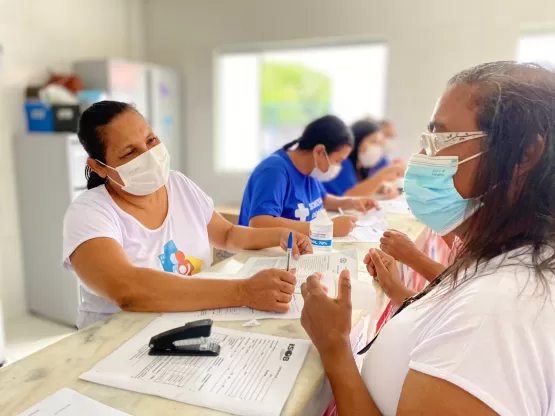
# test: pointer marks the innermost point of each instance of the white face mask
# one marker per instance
(146, 173)
(371, 156)
(330, 174)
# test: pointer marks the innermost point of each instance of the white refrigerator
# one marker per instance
(50, 173)
(163, 110)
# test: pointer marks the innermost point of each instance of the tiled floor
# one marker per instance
(28, 334)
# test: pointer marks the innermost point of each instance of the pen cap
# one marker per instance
(290, 241)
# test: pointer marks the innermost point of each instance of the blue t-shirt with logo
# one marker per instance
(277, 188)
(347, 178)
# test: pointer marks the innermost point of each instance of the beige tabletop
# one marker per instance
(34, 378)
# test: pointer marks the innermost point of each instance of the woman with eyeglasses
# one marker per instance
(480, 339)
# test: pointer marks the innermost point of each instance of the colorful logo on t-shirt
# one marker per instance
(175, 261)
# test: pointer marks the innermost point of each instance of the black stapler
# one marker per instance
(191, 339)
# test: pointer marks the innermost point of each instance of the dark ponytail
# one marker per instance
(291, 144)
(361, 129)
(330, 131)
(91, 124)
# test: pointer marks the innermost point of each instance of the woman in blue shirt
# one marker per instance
(284, 190)
(367, 169)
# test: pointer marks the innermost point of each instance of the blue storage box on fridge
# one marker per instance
(40, 117)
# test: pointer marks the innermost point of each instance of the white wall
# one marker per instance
(38, 35)
(429, 41)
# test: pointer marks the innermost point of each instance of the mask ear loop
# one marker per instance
(104, 164)
(327, 158)
(471, 157)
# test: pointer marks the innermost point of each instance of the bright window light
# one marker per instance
(265, 99)
(539, 49)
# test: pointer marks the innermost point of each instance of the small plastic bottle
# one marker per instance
(321, 231)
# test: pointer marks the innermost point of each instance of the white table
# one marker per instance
(32, 379)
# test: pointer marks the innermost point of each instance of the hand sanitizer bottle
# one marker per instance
(321, 231)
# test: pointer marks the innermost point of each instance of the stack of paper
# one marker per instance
(252, 376)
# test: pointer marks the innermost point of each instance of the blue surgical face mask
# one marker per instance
(432, 196)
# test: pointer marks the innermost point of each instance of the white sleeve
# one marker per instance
(85, 220)
(481, 349)
(205, 203)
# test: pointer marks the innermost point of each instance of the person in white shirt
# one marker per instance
(480, 339)
(140, 229)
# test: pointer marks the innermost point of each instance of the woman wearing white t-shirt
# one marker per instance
(140, 226)
(480, 340)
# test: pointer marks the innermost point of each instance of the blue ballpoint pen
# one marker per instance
(289, 250)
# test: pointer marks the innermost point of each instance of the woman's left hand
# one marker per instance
(364, 204)
(327, 321)
(301, 242)
(399, 246)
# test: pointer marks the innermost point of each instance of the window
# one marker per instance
(265, 99)
(539, 48)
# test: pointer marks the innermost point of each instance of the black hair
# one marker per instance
(92, 122)
(515, 107)
(329, 130)
(361, 129)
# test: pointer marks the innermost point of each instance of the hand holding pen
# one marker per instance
(343, 224)
(289, 250)
(300, 245)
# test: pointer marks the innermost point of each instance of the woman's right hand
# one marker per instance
(384, 269)
(269, 290)
(392, 172)
(343, 225)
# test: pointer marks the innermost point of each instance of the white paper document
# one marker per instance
(67, 402)
(367, 234)
(395, 206)
(306, 265)
(373, 218)
(362, 235)
(240, 314)
(252, 376)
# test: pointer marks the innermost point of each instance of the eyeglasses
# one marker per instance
(404, 305)
(434, 142)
